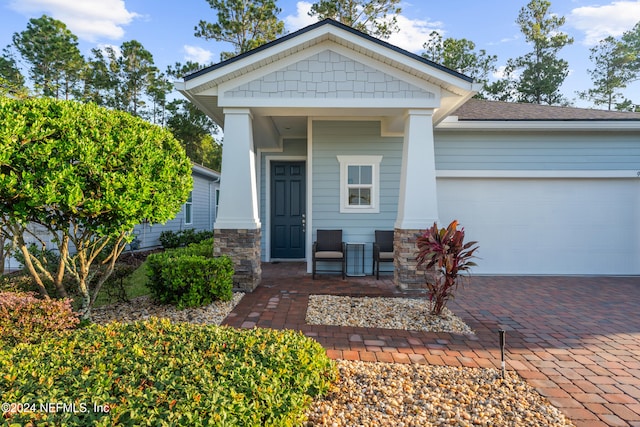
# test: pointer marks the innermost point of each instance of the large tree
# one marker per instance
(123, 78)
(541, 72)
(51, 50)
(136, 73)
(244, 24)
(612, 72)
(11, 79)
(460, 55)
(375, 17)
(631, 43)
(192, 127)
(88, 175)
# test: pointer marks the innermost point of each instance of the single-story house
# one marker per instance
(198, 213)
(329, 128)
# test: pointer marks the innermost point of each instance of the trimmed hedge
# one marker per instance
(164, 374)
(25, 318)
(190, 277)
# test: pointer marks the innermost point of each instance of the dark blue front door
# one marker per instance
(287, 209)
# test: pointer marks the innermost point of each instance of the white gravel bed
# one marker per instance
(389, 394)
(377, 312)
(144, 307)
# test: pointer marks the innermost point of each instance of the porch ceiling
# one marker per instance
(273, 125)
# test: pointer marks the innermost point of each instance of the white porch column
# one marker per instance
(238, 206)
(418, 203)
(237, 227)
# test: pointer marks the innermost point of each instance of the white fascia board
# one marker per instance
(568, 125)
(624, 174)
(356, 103)
(204, 171)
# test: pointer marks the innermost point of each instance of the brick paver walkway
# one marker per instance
(576, 340)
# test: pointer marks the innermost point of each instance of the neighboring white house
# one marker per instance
(198, 213)
(330, 128)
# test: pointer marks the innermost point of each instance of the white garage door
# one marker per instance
(548, 225)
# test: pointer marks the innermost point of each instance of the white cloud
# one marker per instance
(599, 22)
(414, 33)
(197, 54)
(301, 19)
(88, 19)
(500, 73)
(104, 46)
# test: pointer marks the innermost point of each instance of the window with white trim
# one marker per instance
(359, 184)
(188, 206)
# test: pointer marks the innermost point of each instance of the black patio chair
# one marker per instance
(382, 249)
(329, 247)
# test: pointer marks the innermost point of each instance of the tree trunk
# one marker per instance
(85, 307)
(27, 260)
(64, 252)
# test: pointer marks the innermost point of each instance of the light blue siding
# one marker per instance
(335, 138)
(290, 147)
(481, 150)
(202, 213)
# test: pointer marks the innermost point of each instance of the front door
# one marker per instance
(288, 209)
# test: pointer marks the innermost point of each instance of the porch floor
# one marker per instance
(576, 340)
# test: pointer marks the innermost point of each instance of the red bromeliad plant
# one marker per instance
(444, 252)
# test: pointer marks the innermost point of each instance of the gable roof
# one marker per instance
(336, 24)
(247, 80)
(483, 110)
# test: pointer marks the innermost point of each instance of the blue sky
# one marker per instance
(166, 28)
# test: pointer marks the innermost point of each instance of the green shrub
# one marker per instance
(175, 239)
(193, 281)
(25, 318)
(164, 374)
(203, 248)
(190, 277)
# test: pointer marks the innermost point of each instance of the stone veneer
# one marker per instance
(406, 275)
(243, 247)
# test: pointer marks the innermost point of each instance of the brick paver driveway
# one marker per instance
(575, 339)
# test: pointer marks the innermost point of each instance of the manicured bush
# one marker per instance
(25, 318)
(176, 239)
(159, 373)
(190, 276)
(87, 175)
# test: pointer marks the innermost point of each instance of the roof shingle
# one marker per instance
(483, 110)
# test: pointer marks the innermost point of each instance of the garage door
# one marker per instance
(547, 226)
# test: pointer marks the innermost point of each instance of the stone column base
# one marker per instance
(243, 247)
(406, 275)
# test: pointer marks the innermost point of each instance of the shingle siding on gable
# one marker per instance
(536, 151)
(328, 75)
